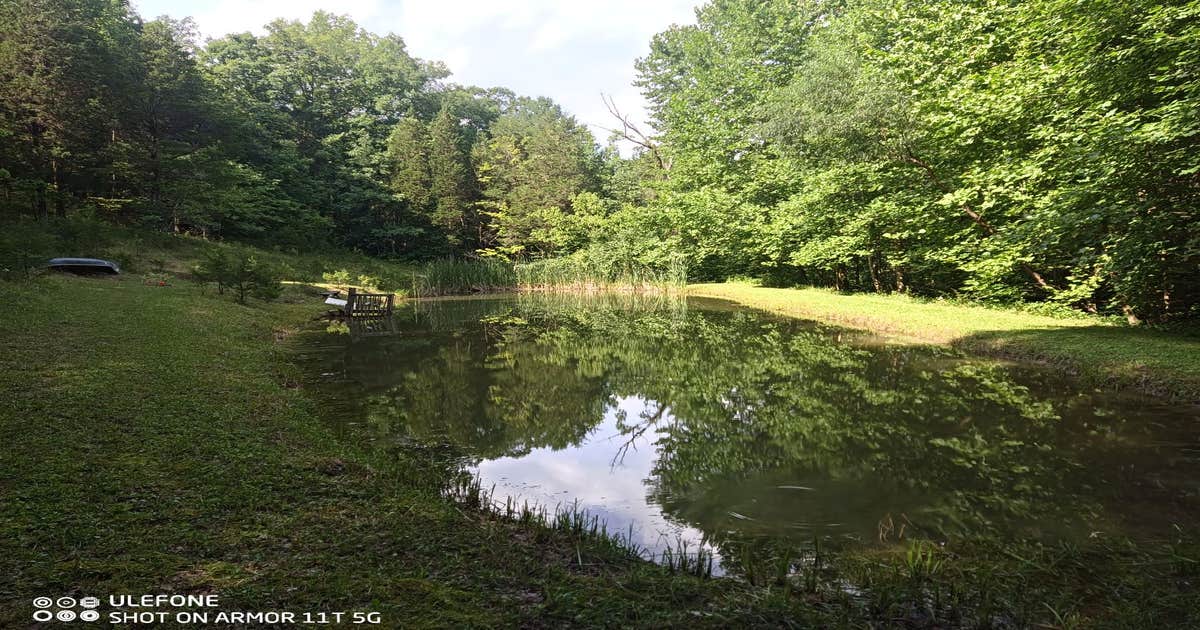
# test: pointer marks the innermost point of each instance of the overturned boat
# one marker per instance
(83, 265)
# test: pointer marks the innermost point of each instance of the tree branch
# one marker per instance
(630, 132)
(1038, 279)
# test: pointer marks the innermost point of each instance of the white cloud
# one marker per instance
(571, 51)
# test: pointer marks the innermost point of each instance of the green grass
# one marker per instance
(1158, 362)
(149, 253)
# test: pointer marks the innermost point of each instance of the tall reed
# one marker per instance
(590, 273)
(457, 277)
(582, 272)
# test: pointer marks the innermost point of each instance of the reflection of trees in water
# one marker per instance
(761, 423)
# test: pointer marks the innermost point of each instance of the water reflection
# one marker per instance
(700, 421)
(606, 472)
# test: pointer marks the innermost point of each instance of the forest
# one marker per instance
(995, 150)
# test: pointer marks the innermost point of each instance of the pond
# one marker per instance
(701, 423)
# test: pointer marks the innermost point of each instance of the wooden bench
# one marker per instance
(369, 304)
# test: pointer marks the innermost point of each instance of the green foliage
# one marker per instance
(1037, 151)
(1041, 151)
(533, 169)
(313, 133)
(408, 152)
(451, 179)
(241, 272)
(24, 247)
(340, 278)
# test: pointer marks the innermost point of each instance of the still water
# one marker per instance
(703, 423)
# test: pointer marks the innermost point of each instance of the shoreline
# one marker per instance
(1103, 354)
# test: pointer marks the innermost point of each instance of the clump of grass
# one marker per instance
(455, 277)
(680, 559)
(921, 561)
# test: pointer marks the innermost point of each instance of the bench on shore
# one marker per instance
(366, 304)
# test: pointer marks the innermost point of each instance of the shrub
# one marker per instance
(368, 282)
(339, 278)
(242, 273)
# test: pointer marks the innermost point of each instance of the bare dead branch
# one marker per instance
(630, 132)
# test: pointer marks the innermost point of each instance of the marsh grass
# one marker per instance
(568, 274)
(462, 276)
(587, 274)
(680, 558)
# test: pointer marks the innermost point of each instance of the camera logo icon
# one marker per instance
(43, 607)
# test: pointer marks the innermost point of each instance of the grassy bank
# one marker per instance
(1102, 352)
(25, 246)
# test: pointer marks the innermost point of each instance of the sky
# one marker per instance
(568, 50)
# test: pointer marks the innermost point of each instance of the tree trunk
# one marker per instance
(40, 207)
(113, 176)
(875, 282)
(1130, 316)
(60, 209)
(155, 174)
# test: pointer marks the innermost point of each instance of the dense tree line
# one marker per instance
(1013, 150)
(1040, 150)
(312, 134)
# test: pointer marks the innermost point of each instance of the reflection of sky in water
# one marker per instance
(615, 491)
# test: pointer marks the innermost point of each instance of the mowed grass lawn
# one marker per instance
(156, 441)
(1103, 353)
